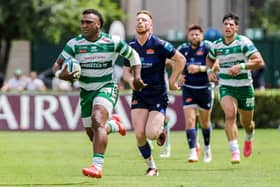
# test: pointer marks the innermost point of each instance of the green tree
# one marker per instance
(46, 20)
(265, 14)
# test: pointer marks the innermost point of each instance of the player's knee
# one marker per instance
(152, 135)
(230, 116)
(205, 124)
(190, 123)
(248, 123)
(140, 136)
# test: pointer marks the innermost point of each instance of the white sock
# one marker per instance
(207, 147)
(98, 162)
(233, 146)
(193, 150)
(151, 162)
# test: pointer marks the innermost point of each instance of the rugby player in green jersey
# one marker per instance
(235, 56)
(96, 52)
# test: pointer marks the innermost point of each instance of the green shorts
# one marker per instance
(110, 92)
(244, 95)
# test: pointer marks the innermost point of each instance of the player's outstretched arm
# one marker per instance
(177, 69)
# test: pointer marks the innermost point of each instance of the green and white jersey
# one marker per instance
(96, 58)
(238, 51)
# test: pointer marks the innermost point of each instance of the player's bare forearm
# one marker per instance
(127, 76)
(57, 65)
(212, 67)
(255, 62)
(177, 67)
(209, 63)
(138, 83)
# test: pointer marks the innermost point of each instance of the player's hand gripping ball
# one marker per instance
(73, 66)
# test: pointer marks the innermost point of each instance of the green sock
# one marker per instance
(165, 123)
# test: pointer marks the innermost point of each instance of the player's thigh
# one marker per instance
(154, 124)
(229, 106)
(190, 116)
(139, 117)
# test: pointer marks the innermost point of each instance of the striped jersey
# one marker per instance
(96, 58)
(238, 51)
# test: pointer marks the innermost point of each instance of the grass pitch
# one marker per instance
(56, 159)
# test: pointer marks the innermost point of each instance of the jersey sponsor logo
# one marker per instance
(93, 49)
(100, 57)
(106, 40)
(251, 47)
(168, 46)
(147, 65)
(81, 41)
(227, 51)
(219, 52)
(150, 51)
(83, 51)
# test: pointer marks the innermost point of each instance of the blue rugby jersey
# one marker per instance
(153, 55)
(197, 57)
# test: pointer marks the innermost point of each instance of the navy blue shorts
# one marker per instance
(156, 103)
(201, 97)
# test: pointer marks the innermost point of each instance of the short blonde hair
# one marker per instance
(145, 12)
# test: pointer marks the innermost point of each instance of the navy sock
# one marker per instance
(145, 150)
(206, 136)
(191, 137)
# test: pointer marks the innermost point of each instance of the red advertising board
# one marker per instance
(61, 112)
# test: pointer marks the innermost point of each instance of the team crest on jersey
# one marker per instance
(150, 51)
(199, 53)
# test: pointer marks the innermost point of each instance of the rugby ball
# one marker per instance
(73, 66)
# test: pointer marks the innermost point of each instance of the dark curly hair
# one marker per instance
(233, 17)
(97, 13)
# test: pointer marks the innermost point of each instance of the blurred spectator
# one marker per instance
(17, 83)
(258, 79)
(47, 77)
(51, 82)
(61, 85)
(34, 83)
